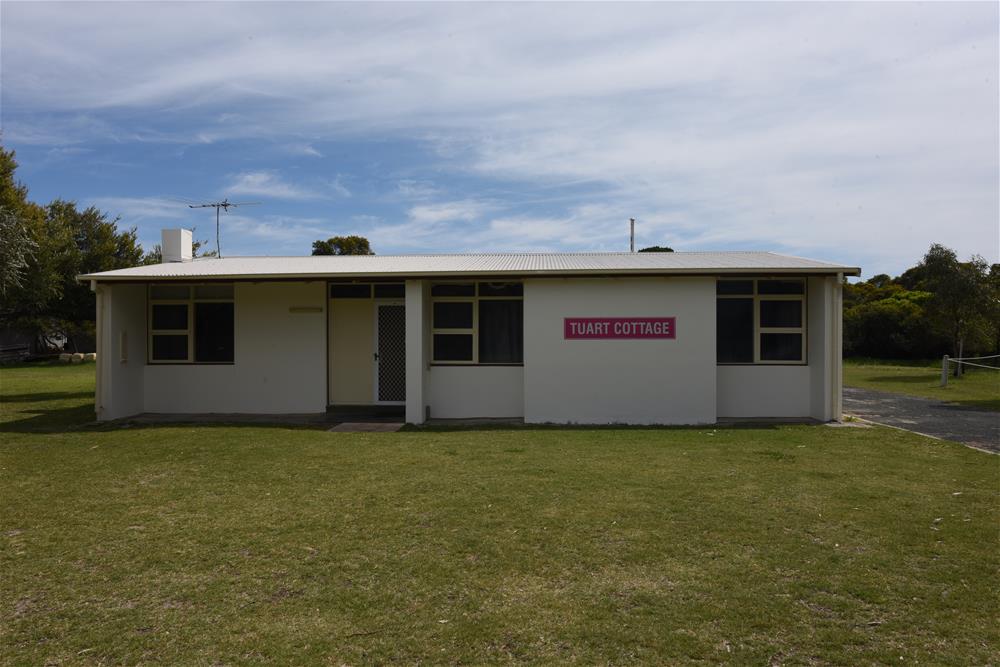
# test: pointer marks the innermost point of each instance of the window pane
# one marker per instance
(734, 331)
(453, 315)
(452, 347)
(501, 289)
(170, 292)
(170, 348)
(221, 291)
(734, 287)
(453, 289)
(213, 332)
(350, 291)
(389, 291)
(173, 316)
(781, 313)
(780, 347)
(780, 287)
(501, 332)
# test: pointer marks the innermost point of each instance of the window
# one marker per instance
(191, 323)
(477, 323)
(760, 321)
(367, 290)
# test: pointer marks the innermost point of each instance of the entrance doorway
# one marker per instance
(367, 346)
(390, 354)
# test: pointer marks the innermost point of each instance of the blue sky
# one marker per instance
(859, 133)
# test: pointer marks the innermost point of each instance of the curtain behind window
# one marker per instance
(501, 332)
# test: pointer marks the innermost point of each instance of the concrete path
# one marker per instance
(970, 426)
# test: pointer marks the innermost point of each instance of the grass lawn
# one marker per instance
(248, 545)
(977, 388)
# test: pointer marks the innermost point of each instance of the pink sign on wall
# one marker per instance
(619, 327)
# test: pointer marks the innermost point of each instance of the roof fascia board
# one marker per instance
(454, 275)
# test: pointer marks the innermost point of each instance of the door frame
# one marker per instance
(377, 361)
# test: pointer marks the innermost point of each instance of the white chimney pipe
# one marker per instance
(175, 245)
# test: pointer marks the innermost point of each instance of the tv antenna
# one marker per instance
(223, 205)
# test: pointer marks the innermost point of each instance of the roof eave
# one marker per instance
(832, 270)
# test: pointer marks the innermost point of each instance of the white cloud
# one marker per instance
(338, 187)
(266, 184)
(429, 214)
(860, 132)
(415, 189)
(139, 209)
(303, 149)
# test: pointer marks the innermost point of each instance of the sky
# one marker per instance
(856, 133)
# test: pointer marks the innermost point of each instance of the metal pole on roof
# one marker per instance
(631, 234)
(224, 205)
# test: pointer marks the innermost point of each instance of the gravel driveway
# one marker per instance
(970, 426)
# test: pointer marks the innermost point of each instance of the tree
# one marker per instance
(656, 248)
(16, 249)
(18, 218)
(65, 242)
(342, 245)
(961, 296)
(993, 309)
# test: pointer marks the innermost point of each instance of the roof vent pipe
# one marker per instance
(175, 245)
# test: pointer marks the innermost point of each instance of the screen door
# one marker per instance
(390, 359)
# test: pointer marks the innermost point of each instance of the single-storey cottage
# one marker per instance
(591, 338)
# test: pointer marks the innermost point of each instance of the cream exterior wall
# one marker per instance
(764, 391)
(122, 313)
(418, 351)
(468, 392)
(280, 359)
(352, 346)
(620, 381)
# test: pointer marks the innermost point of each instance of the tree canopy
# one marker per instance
(60, 241)
(656, 248)
(939, 306)
(342, 245)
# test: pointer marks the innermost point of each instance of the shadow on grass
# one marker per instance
(55, 420)
(447, 428)
(926, 379)
(49, 396)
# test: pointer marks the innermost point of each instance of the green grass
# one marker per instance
(250, 545)
(978, 388)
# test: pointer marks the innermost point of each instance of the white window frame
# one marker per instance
(190, 331)
(474, 331)
(758, 329)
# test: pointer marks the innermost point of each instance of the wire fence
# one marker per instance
(965, 361)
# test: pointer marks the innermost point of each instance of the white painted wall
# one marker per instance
(764, 391)
(620, 381)
(821, 357)
(280, 359)
(468, 392)
(121, 376)
(418, 309)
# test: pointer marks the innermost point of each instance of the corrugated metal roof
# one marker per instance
(511, 264)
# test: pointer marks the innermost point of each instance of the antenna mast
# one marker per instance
(224, 205)
(631, 234)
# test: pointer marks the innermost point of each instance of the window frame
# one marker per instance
(474, 331)
(189, 331)
(758, 330)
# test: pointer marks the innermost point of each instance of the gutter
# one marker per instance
(370, 275)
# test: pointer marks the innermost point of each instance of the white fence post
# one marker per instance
(944, 371)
